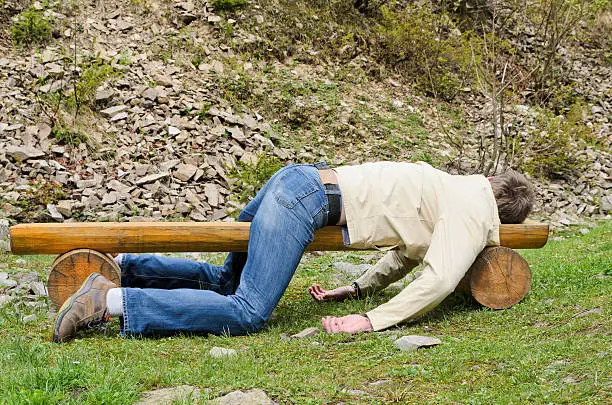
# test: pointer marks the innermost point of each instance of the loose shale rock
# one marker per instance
(413, 342)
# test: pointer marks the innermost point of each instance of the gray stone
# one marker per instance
(182, 207)
(359, 393)
(82, 184)
(104, 95)
(65, 207)
(118, 117)
(24, 153)
(4, 235)
(218, 352)
(5, 299)
(112, 111)
(212, 195)
(308, 332)
(54, 213)
(168, 165)
(173, 131)
(413, 342)
(28, 318)
(595, 311)
(606, 203)
(150, 94)
(123, 25)
(38, 288)
(167, 396)
(152, 178)
(109, 198)
(8, 283)
(163, 80)
(381, 382)
(352, 270)
(27, 278)
(185, 171)
(237, 134)
(251, 397)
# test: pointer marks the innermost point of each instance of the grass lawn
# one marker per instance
(554, 347)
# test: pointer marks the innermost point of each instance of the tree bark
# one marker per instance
(142, 237)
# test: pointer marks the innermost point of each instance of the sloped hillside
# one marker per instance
(128, 110)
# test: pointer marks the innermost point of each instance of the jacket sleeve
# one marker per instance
(391, 268)
(455, 243)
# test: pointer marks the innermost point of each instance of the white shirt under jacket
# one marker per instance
(420, 214)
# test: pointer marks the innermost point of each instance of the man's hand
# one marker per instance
(338, 294)
(347, 324)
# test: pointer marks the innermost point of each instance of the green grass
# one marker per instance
(546, 350)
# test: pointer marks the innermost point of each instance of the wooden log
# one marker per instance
(499, 278)
(142, 237)
(70, 270)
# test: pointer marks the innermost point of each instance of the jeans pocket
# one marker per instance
(292, 186)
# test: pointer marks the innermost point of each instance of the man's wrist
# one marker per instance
(369, 321)
(357, 292)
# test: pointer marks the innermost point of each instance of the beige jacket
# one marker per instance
(419, 214)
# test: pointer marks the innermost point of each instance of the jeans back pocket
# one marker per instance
(292, 186)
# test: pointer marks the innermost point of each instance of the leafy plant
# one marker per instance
(69, 136)
(229, 4)
(549, 149)
(95, 73)
(419, 42)
(30, 27)
(250, 177)
(41, 193)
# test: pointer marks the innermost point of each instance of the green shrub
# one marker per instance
(228, 4)
(249, 178)
(419, 42)
(549, 148)
(30, 27)
(41, 193)
(236, 88)
(94, 74)
(82, 87)
(69, 136)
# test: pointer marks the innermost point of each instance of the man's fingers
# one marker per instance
(324, 323)
(328, 324)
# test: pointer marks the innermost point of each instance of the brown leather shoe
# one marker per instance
(86, 308)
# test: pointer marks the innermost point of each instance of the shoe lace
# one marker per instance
(101, 324)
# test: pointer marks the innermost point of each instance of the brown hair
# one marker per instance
(514, 195)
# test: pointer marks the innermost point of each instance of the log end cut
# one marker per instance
(499, 278)
(69, 271)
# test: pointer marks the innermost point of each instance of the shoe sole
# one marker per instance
(85, 287)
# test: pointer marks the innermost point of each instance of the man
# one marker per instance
(411, 209)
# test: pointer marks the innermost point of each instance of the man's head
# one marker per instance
(514, 196)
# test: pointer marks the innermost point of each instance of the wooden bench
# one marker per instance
(499, 278)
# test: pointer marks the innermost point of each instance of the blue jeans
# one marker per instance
(169, 295)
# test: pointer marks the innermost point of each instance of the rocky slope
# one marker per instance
(163, 133)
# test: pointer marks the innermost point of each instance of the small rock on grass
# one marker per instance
(252, 397)
(170, 395)
(412, 342)
(308, 332)
(218, 352)
(351, 269)
(5, 299)
(28, 318)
